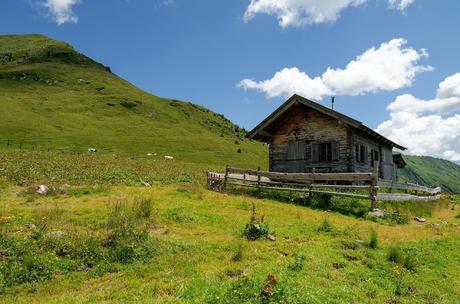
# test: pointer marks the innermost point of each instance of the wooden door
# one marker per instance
(296, 156)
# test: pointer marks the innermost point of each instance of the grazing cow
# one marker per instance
(92, 150)
(169, 158)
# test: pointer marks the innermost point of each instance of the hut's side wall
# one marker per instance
(309, 127)
(387, 168)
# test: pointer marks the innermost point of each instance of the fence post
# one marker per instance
(226, 177)
(374, 185)
(258, 177)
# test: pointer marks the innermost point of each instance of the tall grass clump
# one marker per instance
(406, 259)
(395, 255)
(373, 239)
(127, 234)
(325, 226)
(143, 207)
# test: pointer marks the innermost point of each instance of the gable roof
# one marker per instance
(259, 133)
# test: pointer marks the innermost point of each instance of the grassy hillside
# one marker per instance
(432, 172)
(53, 97)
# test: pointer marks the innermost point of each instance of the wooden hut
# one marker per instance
(303, 135)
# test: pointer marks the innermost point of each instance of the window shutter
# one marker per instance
(335, 151)
(308, 152)
(296, 150)
(315, 152)
(301, 149)
(291, 151)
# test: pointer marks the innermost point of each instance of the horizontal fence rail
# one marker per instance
(409, 187)
(362, 185)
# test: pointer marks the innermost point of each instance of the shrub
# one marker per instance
(373, 241)
(320, 201)
(395, 255)
(256, 228)
(397, 218)
(346, 206)
(325, 226)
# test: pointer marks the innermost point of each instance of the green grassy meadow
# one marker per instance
(177, 242)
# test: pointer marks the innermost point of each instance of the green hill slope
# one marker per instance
(432, 172)
(53, 97)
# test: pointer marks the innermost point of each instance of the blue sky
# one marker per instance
(218, 53)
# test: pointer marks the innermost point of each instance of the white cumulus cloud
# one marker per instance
(401, 4)
(305, 12)
(389, 67)
(286, 82)
(300, 12)
(427, 127)
(62, 10)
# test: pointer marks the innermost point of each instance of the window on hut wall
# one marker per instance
(360, 153)
(374, 156)
(324, 151)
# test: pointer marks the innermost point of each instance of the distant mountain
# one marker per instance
(52, 97)
(433, 172)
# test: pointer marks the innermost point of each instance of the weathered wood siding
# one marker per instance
(297, 136)
(387, 167)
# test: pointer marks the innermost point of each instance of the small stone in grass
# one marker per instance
(29, 226)
(42, 189)
(145, 184)
(420, 219)
(376, 213)
(271, 237)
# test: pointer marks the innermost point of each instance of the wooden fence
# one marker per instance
(362, 185)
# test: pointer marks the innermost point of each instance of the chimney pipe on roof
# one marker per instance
(332, 102)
